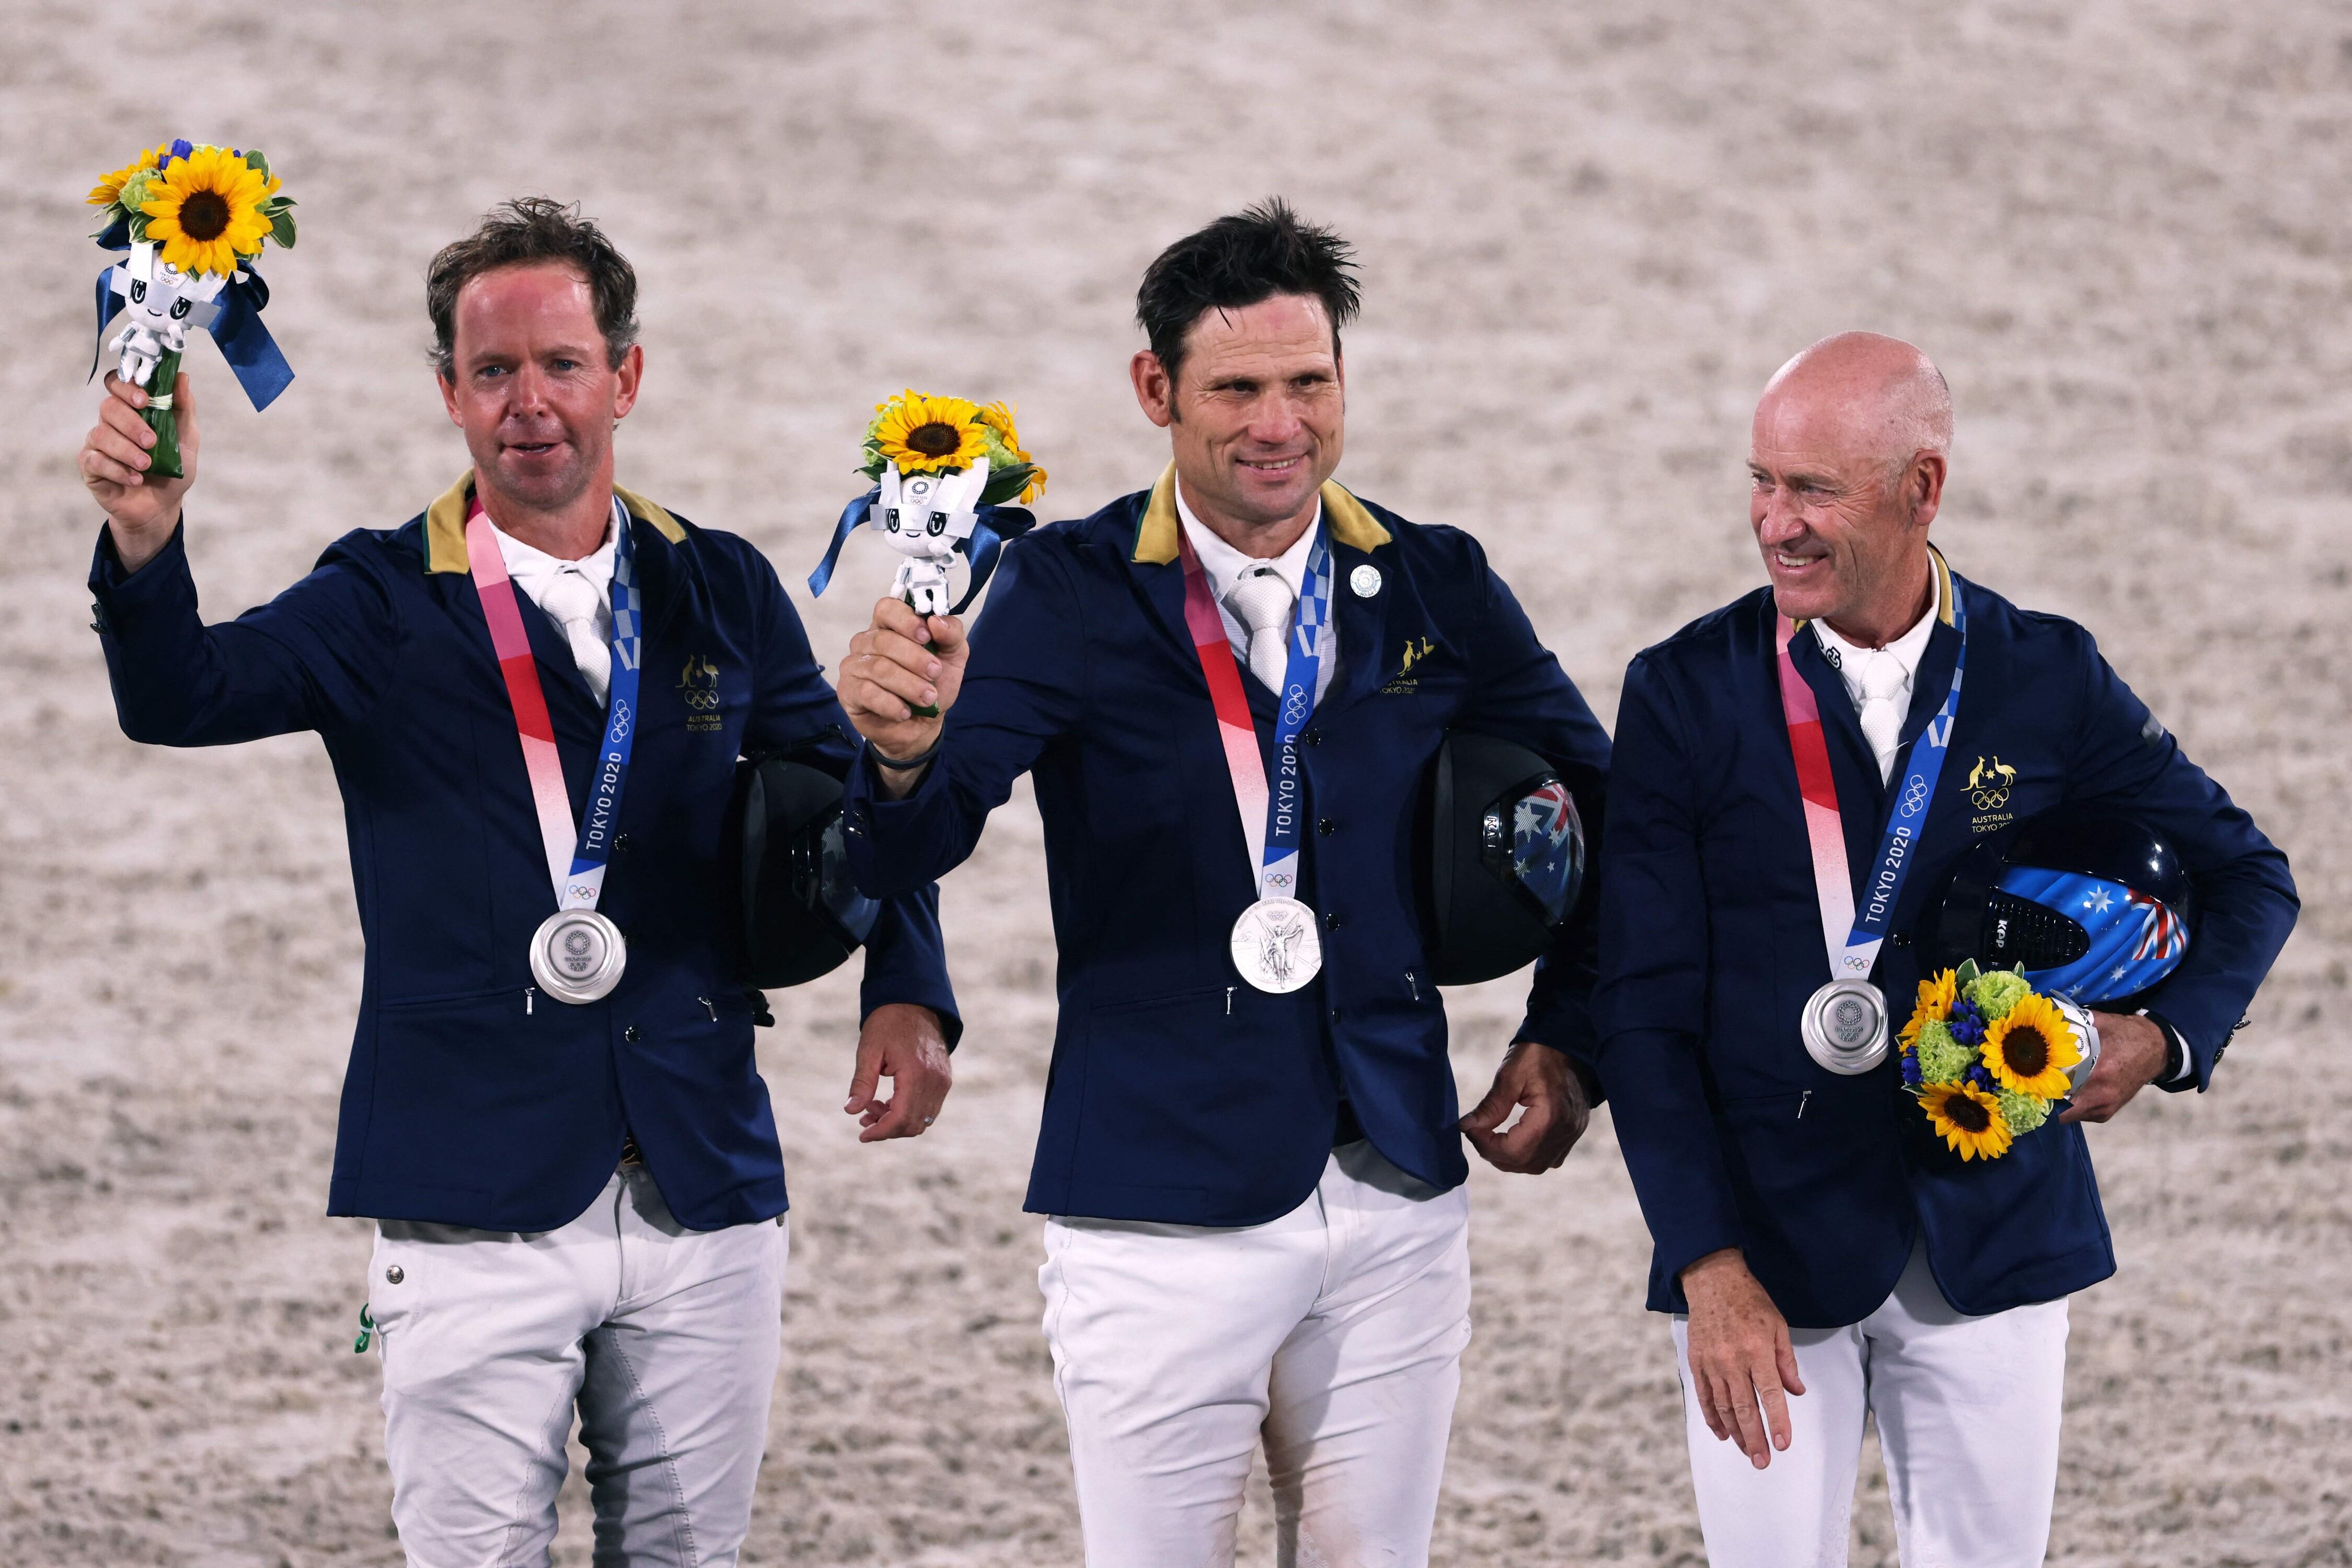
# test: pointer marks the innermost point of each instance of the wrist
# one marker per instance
(915, 764)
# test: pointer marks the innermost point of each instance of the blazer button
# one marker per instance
(1313, 737)
(630, 1034)
(1326, 826)
(1332, 921)
(620, 844)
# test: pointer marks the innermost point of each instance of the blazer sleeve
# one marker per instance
(2246, 900)
(1653, 965)
(1521, 694)
(793, 709)
(1024, 687)
(317, 657)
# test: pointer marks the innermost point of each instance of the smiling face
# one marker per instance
(1255, 417)
(534, 389)
(1846, 471)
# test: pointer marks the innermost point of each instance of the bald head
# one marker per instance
(1848, 459)
(1879, 395)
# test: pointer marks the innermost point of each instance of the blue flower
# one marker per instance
(1967, 1024)
(1911, 1068)
(1977, 1075)
(180, 148)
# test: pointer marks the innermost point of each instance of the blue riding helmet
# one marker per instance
(2096, 908)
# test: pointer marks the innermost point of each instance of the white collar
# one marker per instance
(1906, 650)
(532, 568)
(1224, 565)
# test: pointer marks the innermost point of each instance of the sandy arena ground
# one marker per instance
(1588, 235)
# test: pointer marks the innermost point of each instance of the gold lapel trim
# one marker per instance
(445, 525)
(1352, 523)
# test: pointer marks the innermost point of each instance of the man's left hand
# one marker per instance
(902, 1042)
(1541, 1080)
(2132, 1051)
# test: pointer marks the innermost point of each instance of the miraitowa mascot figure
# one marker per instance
(944, 469)
(191, 219)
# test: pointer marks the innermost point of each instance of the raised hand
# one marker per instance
(889, 673)
(141, 510)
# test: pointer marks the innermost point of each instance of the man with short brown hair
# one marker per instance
(554, 1118)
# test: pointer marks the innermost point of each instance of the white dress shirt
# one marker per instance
(1224, 566)
(1852, 663)
(533, 570)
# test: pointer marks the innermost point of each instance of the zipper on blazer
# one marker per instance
(1800, 1103)
(1414, 981)
(1229, 1001)
(527, 992)
(709, 1006)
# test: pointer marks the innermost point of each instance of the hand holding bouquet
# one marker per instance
(192, 218)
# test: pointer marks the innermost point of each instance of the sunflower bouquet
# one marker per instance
(1986, 1055)
(192, 217)
(916, 433)
(950, 477)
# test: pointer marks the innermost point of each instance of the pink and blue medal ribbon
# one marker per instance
(1271, 818)
(576, 859)
(1865, 927)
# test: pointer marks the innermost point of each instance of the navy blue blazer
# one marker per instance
(1178, 1093)
(470, 1099)
(1712, 942)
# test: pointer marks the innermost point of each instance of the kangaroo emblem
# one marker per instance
(1989, 783)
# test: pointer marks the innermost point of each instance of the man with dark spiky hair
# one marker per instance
(577, 1187)
(1229, 688)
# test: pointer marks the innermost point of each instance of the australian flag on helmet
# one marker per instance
(2097, 909)
(1544, 849)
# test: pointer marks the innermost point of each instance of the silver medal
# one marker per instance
(1276, 946)
(1846, 1027)
(577, 955)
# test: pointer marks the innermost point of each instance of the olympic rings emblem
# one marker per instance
(1915, 794)
(1294, 710)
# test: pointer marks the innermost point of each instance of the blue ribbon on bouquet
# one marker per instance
(994, 526)
(236, 325)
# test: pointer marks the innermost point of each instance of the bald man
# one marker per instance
(1821, 1252)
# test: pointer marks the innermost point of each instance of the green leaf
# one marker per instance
(281, 230)
(138, 228)
(1968, 974)
(259, 163)
(1003, 484)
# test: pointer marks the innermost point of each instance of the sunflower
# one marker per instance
(1936, 998)
(925, 434)
(108, 191)
(1968, 1117)
(1004, 453)
(204, 211)
(2029, 1048)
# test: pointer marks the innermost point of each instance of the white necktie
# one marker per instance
(572, 602)
(1262, 601)
(1882, 684)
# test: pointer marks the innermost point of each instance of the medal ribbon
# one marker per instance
(575, 858)
(1271, 818)
(1866, 928)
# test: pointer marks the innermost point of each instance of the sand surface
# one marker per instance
(1588, 233)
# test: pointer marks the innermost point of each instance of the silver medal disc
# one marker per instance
(1276, 946)
(1846, 1027)
(577, 955)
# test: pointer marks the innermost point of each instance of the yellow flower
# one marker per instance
(2029, 1048)
(1935, 999)
(925, 434)
(204, 211)
(1969, 1118)
(998, 417)
(108, 191)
